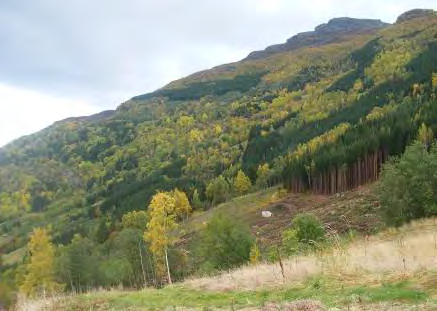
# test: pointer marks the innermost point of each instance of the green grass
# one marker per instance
(390, 292)
(330, 292)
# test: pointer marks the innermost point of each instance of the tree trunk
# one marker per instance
(168, 268)
(142, 265)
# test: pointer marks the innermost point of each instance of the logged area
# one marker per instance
(356, 210)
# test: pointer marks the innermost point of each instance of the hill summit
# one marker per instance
(416, 13)
(333, 31)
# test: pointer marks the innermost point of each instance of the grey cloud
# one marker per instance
(107, 50)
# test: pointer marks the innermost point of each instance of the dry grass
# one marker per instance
(394, 254)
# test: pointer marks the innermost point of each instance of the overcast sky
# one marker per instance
(77, 57)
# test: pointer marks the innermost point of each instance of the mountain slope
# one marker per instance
(313, 111)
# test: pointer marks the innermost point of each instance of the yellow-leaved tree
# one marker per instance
(434, 80)
(162, 219)
(242, 183)
(182, 204)
(195, 136)
(135, 219)
(255, 253)
(425, 136)
(40, 275)
(263, 174)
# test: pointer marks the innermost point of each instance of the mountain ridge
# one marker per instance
(413, 14)
(334, 30)
(340, 26)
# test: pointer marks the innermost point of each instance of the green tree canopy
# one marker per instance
(217, 190)
(223, 244)
(408, 185)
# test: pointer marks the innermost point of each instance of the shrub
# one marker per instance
(290, 242)
(306, 232)
(223, 244)
(308, 228)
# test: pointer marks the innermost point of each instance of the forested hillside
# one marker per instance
(321, 117)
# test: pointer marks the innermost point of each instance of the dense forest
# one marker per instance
(322, 119)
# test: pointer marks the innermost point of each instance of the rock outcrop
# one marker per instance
(330, 32)
(414, 14)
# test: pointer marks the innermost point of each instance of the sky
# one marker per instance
(67, 58)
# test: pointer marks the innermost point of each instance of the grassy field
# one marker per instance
(393, 270)
(316, 291)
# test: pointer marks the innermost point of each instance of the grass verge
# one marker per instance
(330, 292)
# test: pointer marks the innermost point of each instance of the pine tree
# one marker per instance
(40, 276)
(242, 183)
